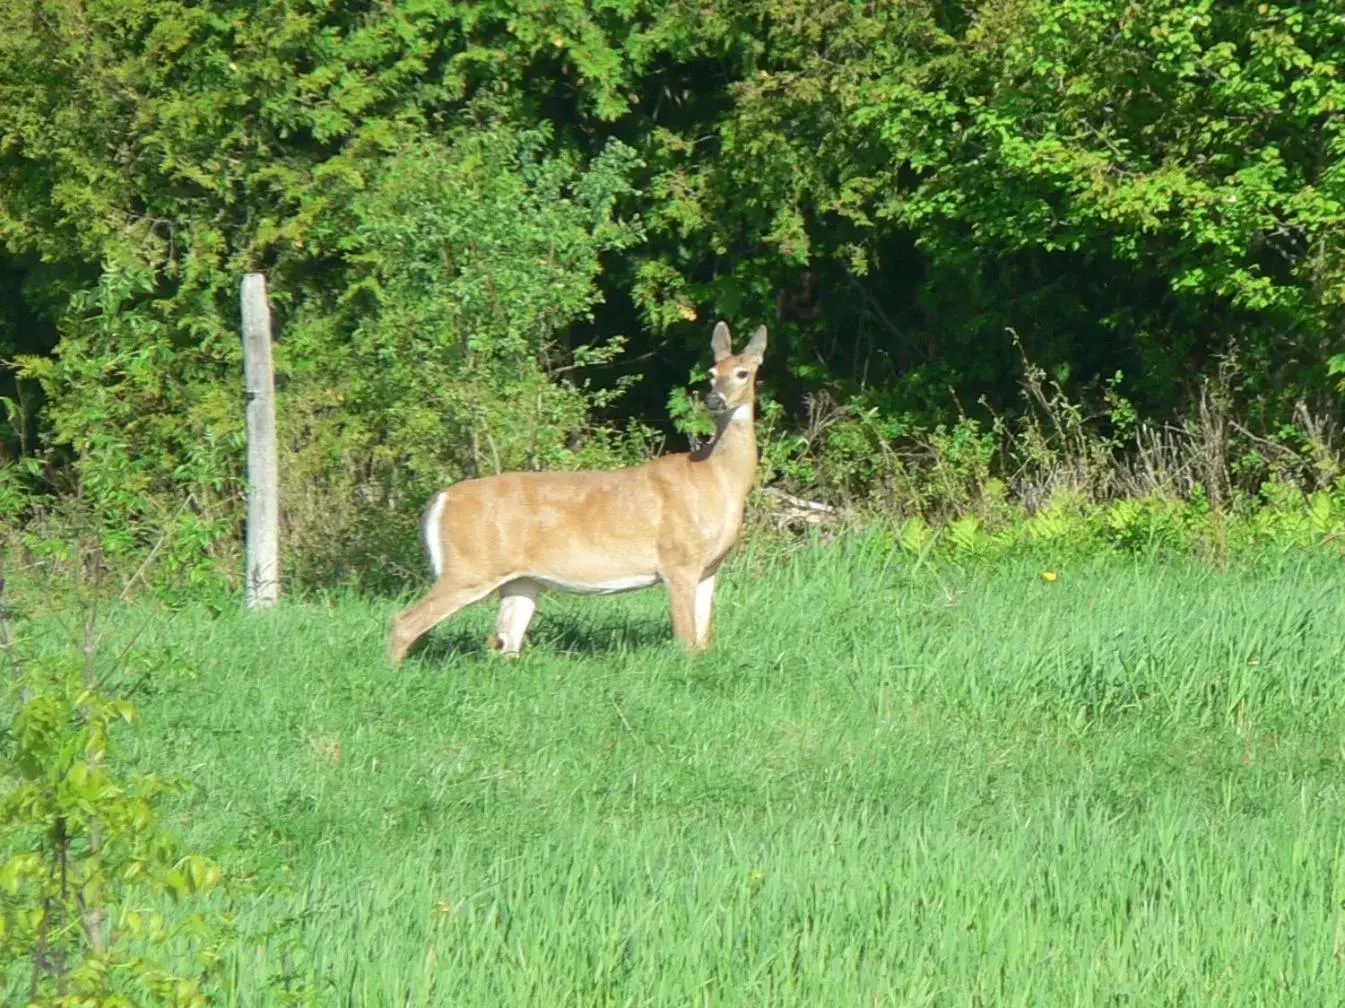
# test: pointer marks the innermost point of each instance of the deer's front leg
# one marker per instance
(682, 603)
(518, 601)
(702, 605)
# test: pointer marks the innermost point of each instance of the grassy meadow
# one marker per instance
(887, 784)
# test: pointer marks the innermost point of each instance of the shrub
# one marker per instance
(85, 860)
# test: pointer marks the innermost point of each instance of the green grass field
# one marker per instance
(883, 786)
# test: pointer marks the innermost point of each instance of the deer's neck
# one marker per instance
(732, 455)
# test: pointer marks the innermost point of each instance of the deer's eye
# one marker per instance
(741, 375)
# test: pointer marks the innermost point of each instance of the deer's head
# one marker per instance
(733, 376)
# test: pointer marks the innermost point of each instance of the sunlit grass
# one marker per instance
(883, 786)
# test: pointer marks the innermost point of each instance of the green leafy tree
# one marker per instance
(1138, 185)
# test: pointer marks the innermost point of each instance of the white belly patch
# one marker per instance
(608, 587)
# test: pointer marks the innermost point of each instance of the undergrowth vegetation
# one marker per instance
(1062, 475)
(87, 868)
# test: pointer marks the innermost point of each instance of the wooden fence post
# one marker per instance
(263, 520)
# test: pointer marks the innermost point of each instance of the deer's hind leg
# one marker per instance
(448, 595)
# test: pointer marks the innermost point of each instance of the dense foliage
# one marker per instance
(482, 221)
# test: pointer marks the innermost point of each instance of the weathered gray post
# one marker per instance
(263, 537)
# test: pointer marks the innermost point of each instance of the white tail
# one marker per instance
(672, 519)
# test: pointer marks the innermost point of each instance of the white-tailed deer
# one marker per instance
(672, 519)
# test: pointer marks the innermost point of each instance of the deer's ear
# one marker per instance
(757, 348)
(721, 344)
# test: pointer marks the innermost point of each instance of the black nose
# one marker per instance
(714, 402)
